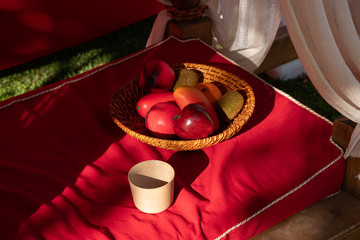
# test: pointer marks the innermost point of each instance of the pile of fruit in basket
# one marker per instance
(182, 105)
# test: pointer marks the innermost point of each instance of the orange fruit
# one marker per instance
(210, 90)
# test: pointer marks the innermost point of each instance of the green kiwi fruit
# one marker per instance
(229, 105)
(187, 77)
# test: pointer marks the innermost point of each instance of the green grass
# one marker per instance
(83, 57)
(75, 60)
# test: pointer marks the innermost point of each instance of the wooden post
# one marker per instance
(342, 131)
(188, 21)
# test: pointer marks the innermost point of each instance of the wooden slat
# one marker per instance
(282, 51)
(350, 233)
(338, 215)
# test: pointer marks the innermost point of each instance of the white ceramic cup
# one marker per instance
(152, 185)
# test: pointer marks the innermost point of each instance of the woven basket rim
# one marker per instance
(229, 80)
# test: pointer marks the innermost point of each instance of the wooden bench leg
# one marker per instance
(342, 130)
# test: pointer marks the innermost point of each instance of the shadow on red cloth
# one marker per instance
(188, 165)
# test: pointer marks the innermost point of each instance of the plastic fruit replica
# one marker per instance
(210, 90)
(185, 95)
(229, 105)
(186, 107)
(193, 122)
(159, 119)
(156, 76)
(187, 77)
(144, 104)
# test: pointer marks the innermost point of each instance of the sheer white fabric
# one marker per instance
(243, 29)
(326, 37)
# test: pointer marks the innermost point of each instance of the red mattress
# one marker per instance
(64, 163)
(34, 28)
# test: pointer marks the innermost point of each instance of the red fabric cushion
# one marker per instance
(34, 28)
(64, 163)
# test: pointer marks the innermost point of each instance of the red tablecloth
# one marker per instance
(34, 28)
(64, 163)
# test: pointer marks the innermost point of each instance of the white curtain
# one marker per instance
(325, 34)
(243, 29)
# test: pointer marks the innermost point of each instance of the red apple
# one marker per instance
(156, 76)
(193, 122)
(159, 119)
(185, 95)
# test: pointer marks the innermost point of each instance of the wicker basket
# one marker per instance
(123, 109)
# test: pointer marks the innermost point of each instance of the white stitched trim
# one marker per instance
(302, 105)
(331, 195)
(286, 194)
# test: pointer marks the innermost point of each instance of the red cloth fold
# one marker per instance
(64, 163)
